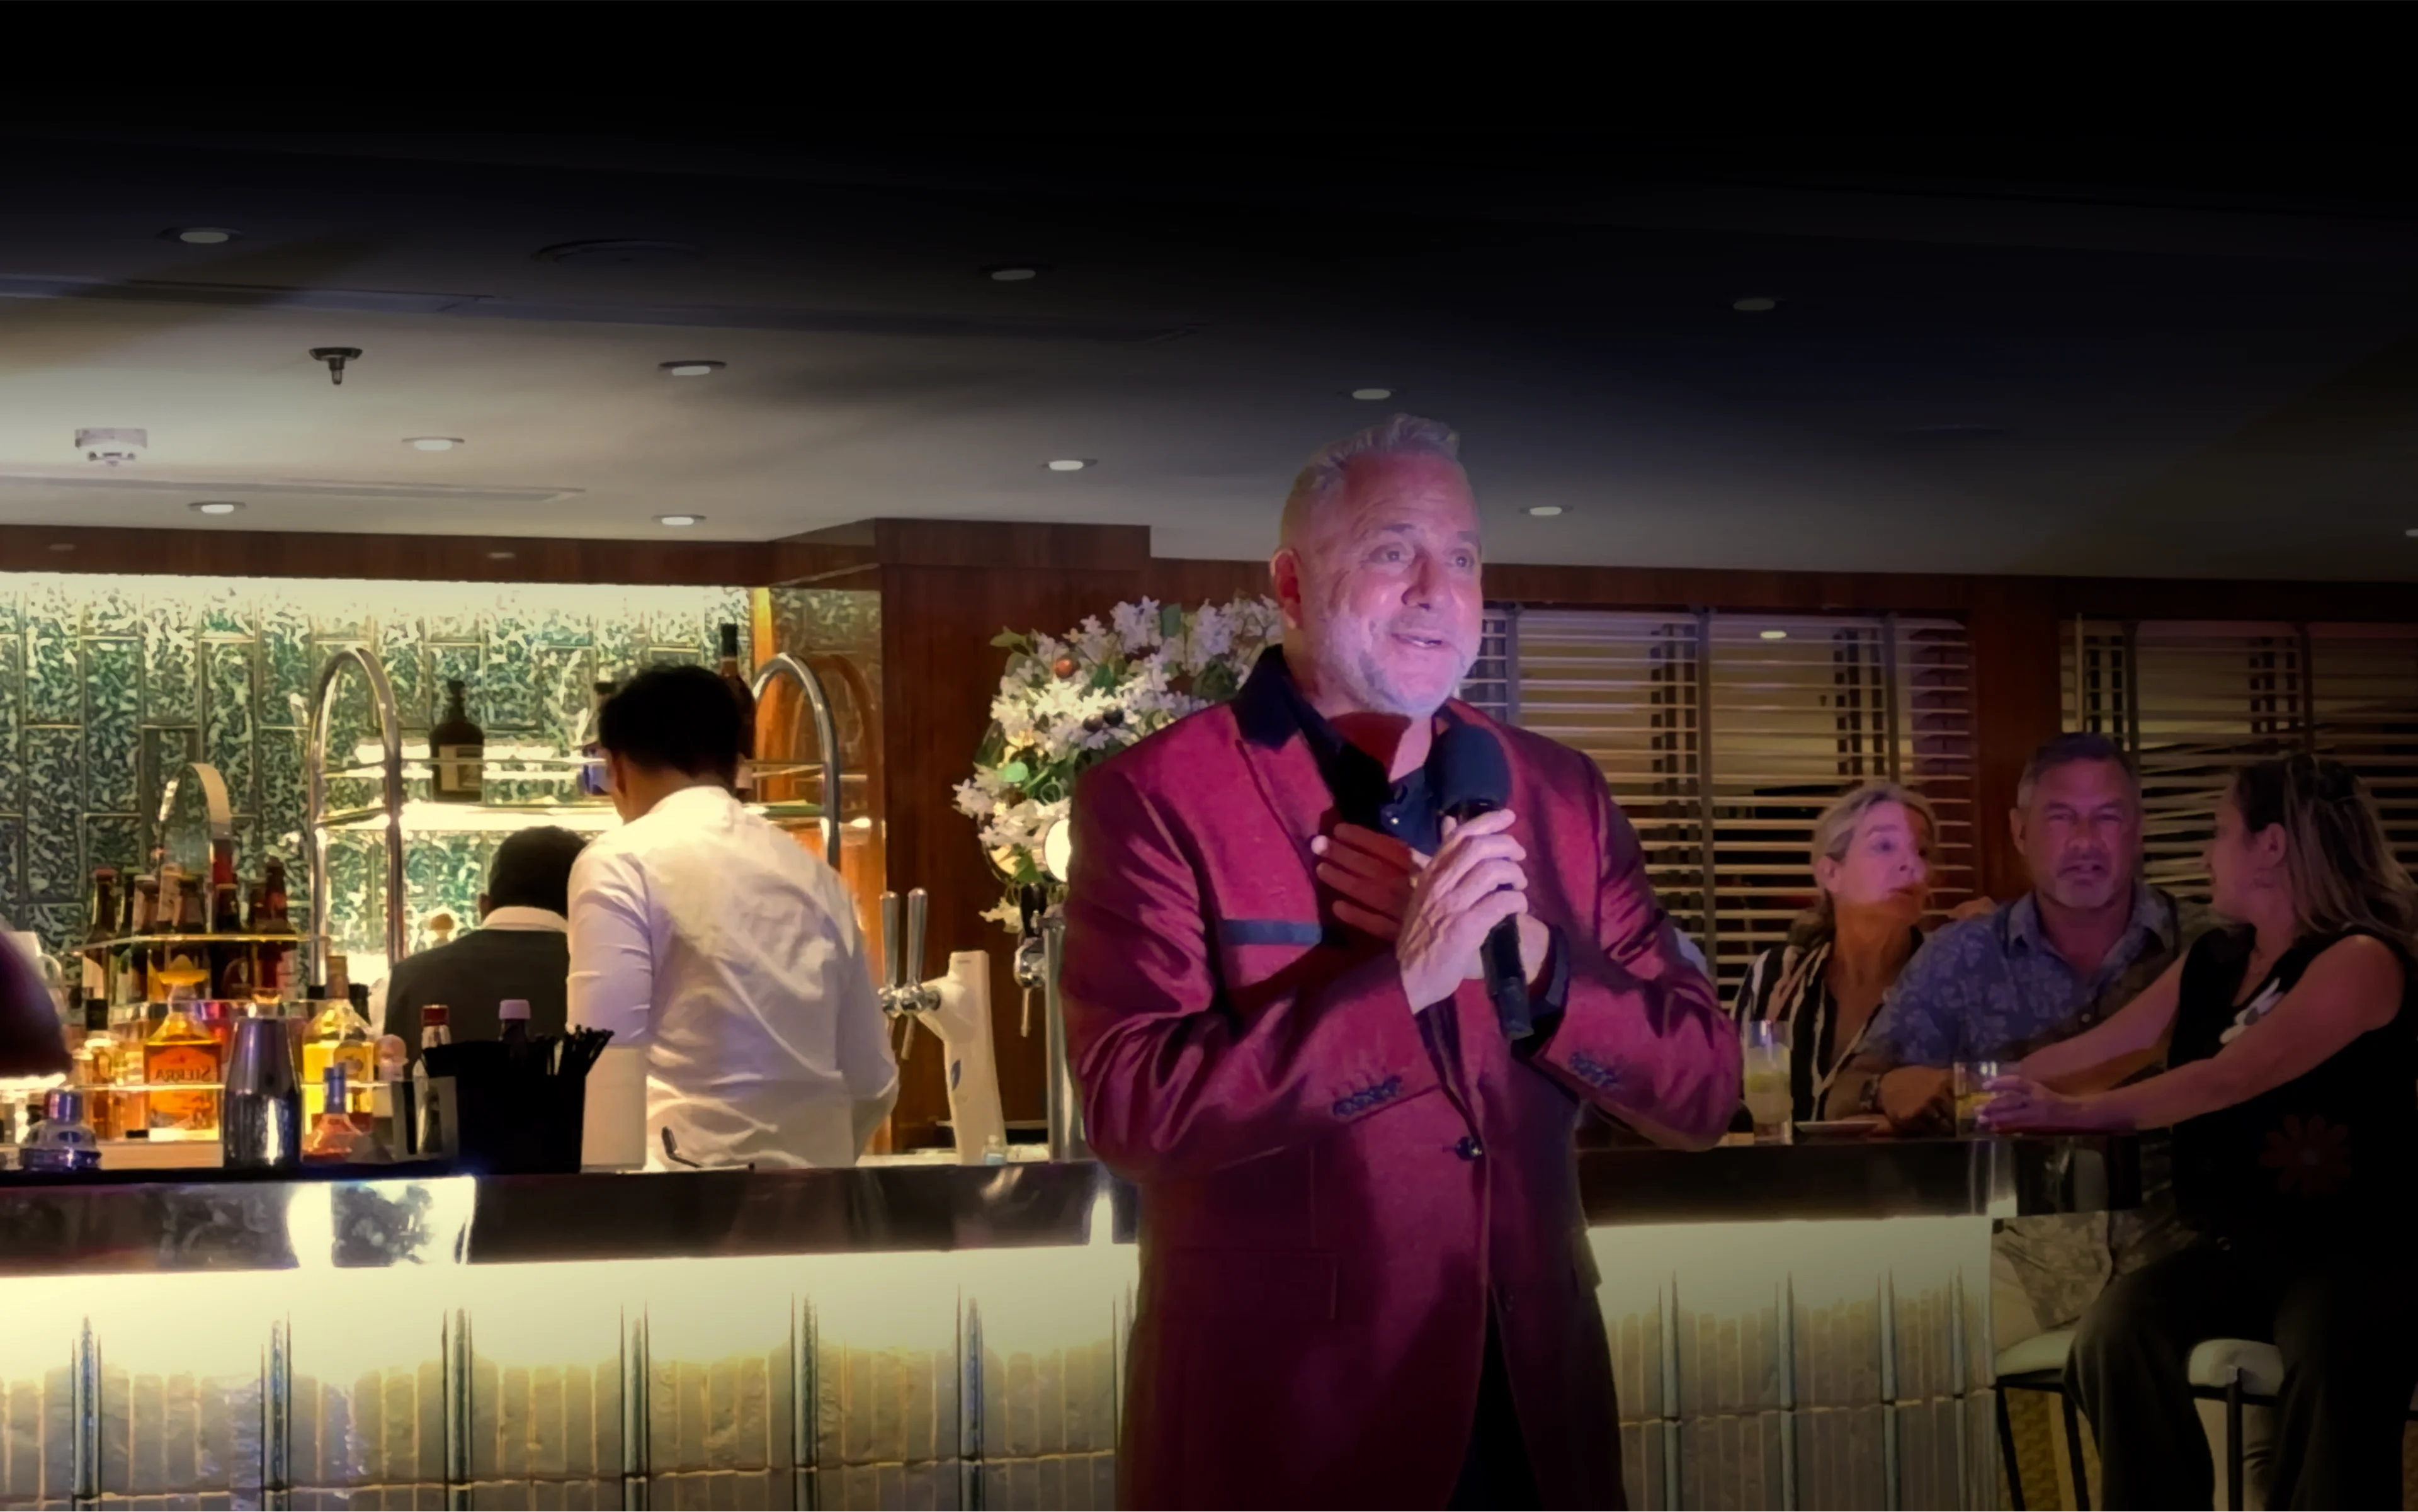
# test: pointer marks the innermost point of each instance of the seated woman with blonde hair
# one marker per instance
(1872, 859)
(2291, 1043)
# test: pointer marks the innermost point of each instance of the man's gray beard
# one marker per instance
(1377, 693)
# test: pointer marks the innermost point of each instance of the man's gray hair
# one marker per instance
(2070, 748)
(1404, 436)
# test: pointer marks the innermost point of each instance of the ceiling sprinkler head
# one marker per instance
(335, 356)
(111, 447)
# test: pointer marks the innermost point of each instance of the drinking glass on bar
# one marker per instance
(1971, 1090)
(1768, 1098)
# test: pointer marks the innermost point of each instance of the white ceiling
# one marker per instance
(1961, 377)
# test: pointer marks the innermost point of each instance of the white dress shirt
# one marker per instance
(729, 954)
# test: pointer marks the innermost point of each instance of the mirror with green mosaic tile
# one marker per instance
(109, 684)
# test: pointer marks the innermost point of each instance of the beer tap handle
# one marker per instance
(916, 902)
(889, 942)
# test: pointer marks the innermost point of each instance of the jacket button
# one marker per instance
(1469, 1149)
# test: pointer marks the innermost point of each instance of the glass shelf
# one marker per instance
(540, 767)
(425, 816)
(116, 941)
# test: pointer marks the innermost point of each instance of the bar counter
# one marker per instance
(1791, 1326)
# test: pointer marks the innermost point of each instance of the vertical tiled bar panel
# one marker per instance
(1048, 1372)
(886, 1421)
(545, 1370)
(1839, 1455)
(368, 1380)
(1730, 1460)
(181, 1388)
(720, 1376)
(38, 1331)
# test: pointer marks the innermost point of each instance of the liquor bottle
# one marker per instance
(167, 915)
(457, 748)
(189, 958)
(274, 972)
(440, 930)
(139, 957)
(101, 924)
(333, 1132)
(182, 1054)
(591, 764)
(338, 1037)
(746, 697)
(232, 963)
(435, 1026)
(124, 979)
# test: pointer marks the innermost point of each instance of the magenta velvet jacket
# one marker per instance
(1328, 1204)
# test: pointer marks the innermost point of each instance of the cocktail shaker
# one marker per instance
(260, 1118)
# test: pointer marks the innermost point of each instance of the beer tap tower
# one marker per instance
(1038, 968)
(957, 1008)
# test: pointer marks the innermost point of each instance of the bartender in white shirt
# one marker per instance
(723, 948)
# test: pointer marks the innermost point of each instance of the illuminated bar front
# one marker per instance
(1797, 1326)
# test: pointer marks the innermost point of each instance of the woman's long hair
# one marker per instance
(1834, 832)
(2340, 866)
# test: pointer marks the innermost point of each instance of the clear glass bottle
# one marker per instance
(332, 1134)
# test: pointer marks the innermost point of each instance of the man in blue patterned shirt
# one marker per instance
(2087, 937)
(2079, 946)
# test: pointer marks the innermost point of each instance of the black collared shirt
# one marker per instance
(1271, 708)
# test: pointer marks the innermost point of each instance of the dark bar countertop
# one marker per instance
(365, 1217)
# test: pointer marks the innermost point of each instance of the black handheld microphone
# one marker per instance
(1473, 778)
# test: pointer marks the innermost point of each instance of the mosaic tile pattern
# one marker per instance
(108, 685)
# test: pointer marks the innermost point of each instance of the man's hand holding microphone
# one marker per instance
(1437, 910)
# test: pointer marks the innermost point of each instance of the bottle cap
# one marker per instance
(435, 1013)
(334, 1082)
(512, 1008)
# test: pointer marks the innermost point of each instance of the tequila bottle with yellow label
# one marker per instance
(182, 1061)
(338, 1035)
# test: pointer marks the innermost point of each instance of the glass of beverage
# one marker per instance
(1768, 1098)
(1971, 1090)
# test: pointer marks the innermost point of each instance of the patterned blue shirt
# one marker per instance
(1994, 988)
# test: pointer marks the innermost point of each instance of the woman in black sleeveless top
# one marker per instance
(2291, 1083)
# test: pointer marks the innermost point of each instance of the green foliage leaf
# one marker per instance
(1014, 774)
(1009, 640)
(1170, 621)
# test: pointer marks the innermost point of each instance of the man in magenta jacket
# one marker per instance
(1365, 1276)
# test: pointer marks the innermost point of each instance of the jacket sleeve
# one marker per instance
(1643, 1037)
(1176, 1081)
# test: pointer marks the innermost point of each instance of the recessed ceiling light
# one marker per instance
(499, 556)
(1068, 464)
(691, 369)
(1754, 304)
(678, 519)
(200, 235)
(1544, 512)
(215, 506)
(63, 546)
(1775, 634)
(618, 254)
(1013, 273)
(2411, 533)
(1372, 393)
(431, 443)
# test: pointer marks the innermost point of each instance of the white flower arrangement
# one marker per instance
(1067, 701)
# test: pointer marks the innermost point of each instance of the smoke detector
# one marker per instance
(110, 445)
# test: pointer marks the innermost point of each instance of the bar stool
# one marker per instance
(2038, 1364)
(2238, 1372)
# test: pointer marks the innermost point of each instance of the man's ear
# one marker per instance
(1284, 576)
(2015, 830)
(486, 905)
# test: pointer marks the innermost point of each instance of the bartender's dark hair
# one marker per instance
(532, 869)
(681, 718)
